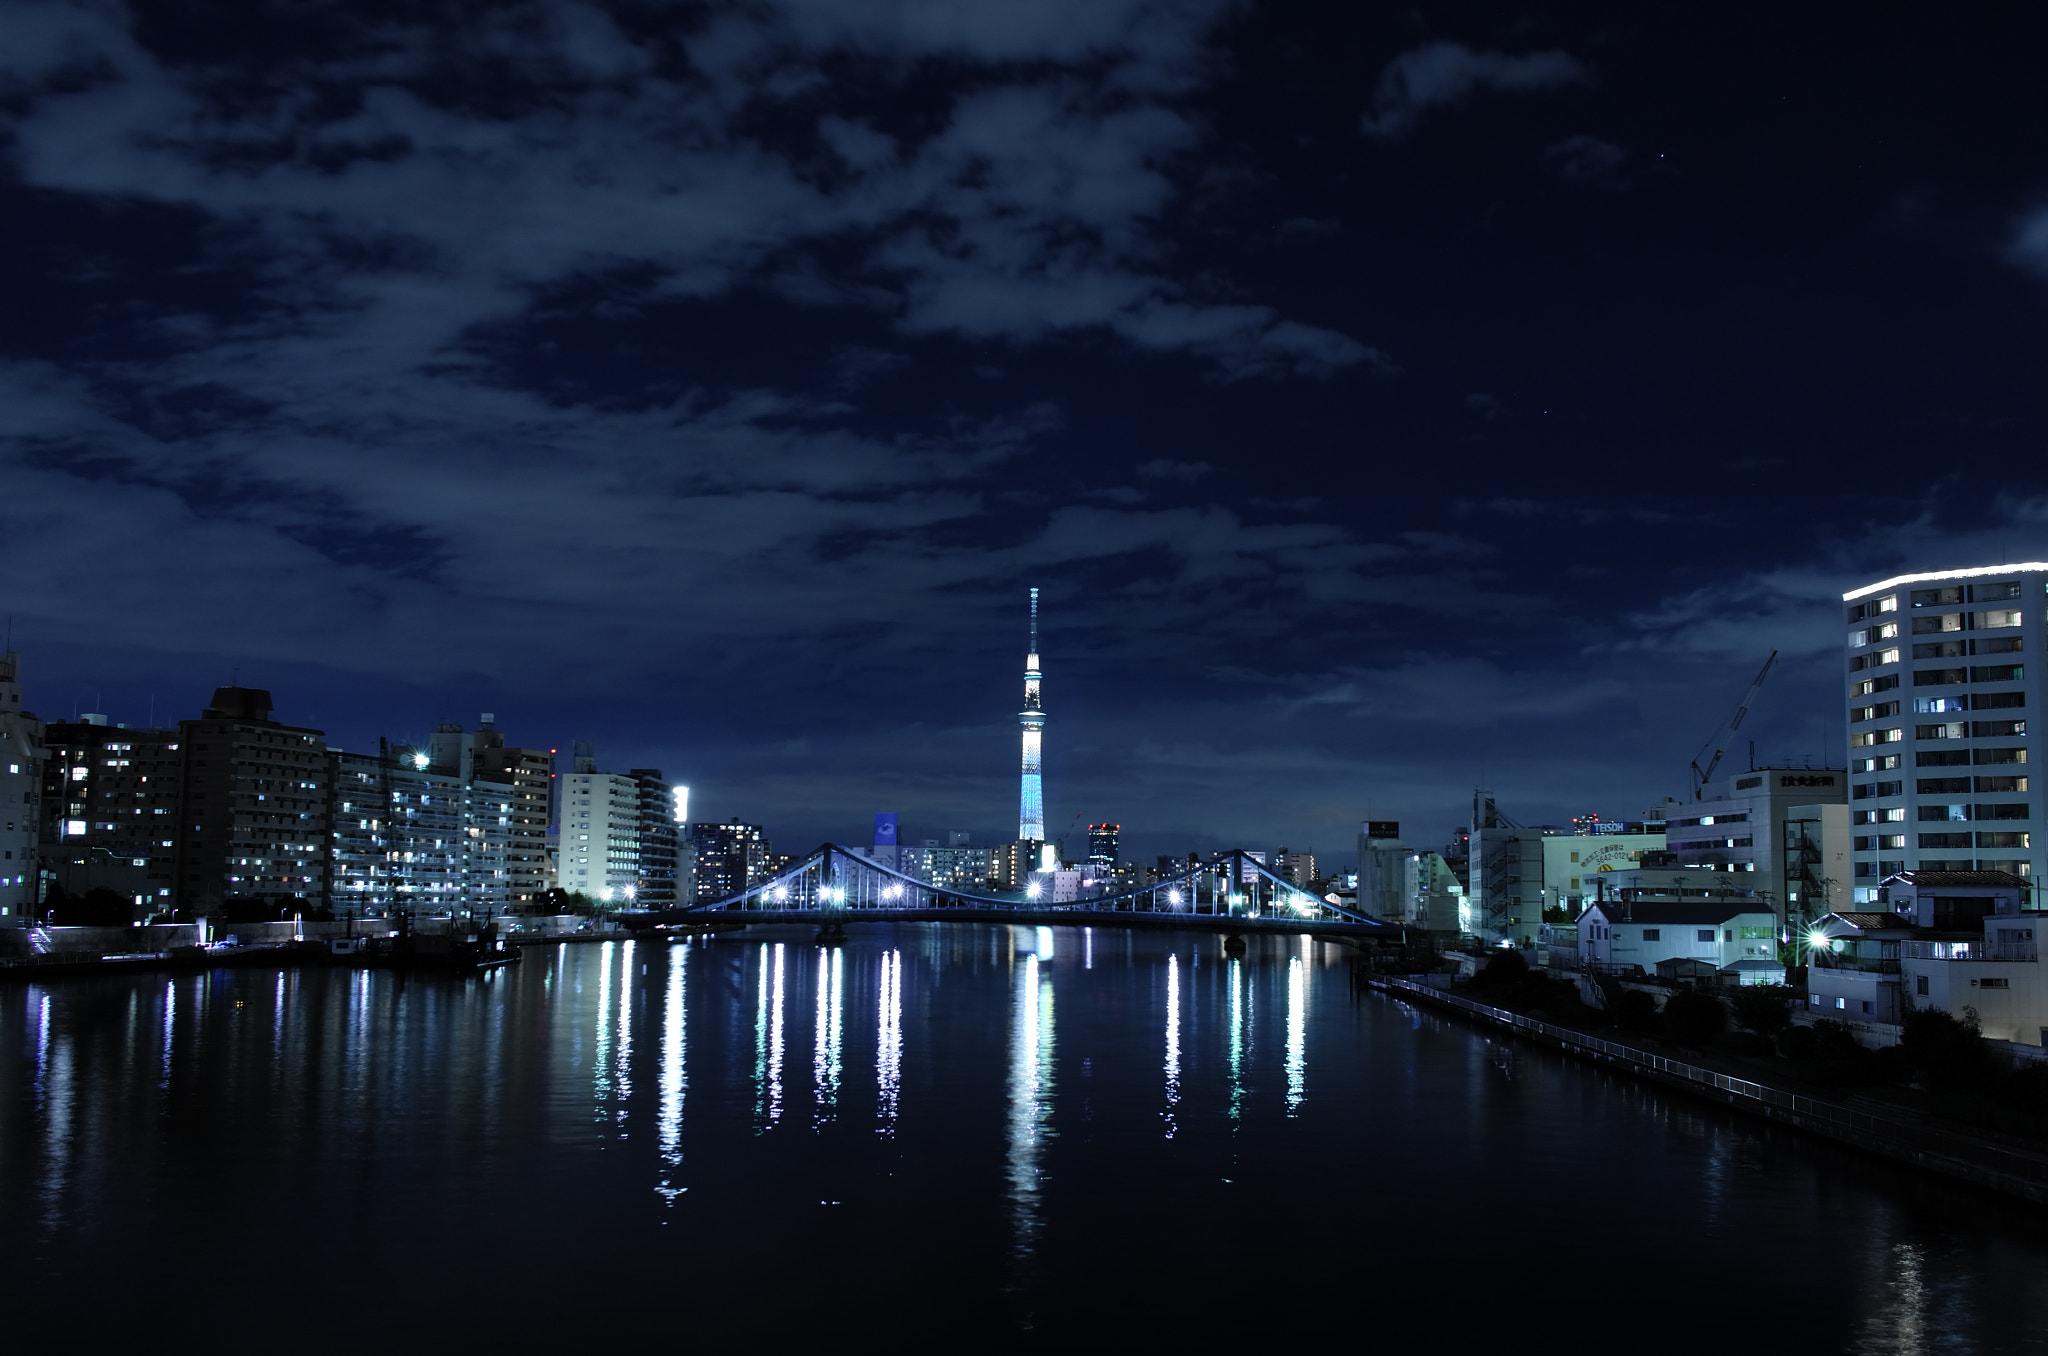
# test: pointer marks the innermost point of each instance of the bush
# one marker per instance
(98, 907)
(1797, 1042)
(1692, 1017)
(1633, 1010)
(1740, 1043)
(1762, 1008)
(1503, 970)
(1945, 1054)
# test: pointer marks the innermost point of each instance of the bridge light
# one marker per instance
(1031, 890)
(1173, 898)
(781, 894)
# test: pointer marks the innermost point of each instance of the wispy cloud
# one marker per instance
(1443, 74)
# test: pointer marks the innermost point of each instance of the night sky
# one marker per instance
(1388, 399)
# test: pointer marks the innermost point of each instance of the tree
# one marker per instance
(1692, 1017)
(1506, 968)
(1762, 1008)
(1633, 1010)
(98, 907)
(1947, 1054)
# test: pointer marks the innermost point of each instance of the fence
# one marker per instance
(1928, 1146)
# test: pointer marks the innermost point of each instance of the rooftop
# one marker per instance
(1977, 572)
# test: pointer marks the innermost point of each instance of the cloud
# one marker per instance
(1164, 468)
(1443, 74)
(2029, 246)
(1586, 159)
(1029, 210)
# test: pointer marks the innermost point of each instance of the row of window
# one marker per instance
(1947, 595)
(1603, 934)
(1971, 729)
(1954, 729)
(1975, 673)
(1939, 649)
(1942, 623)
(1929, 706)
(1959, 758)
(2003, 839)
(1887, 867)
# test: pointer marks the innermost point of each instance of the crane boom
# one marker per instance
(1719, 746)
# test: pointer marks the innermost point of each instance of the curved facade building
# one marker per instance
(1944, 680)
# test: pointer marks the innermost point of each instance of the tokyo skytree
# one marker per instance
(1031, 802)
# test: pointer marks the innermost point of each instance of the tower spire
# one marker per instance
(1030, 799)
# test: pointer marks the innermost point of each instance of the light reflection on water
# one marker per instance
(889, 1043)
(675, 1075)
(1172, 1039)
(949, 1127)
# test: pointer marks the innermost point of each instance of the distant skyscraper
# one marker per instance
(1102, 845)
(1031, 806)
(1938, 776)
(730, 857)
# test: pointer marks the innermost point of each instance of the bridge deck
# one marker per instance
(1063, 917)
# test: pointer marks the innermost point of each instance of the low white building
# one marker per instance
(1625, 937)
(1975, 949)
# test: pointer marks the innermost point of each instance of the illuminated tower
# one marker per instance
(1031, 804)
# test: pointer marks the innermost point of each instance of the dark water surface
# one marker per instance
(993, 1136)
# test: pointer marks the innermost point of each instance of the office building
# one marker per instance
(1777, 832)
(1938, 695)
(254, 836)
(21, 754)
(1102, 845)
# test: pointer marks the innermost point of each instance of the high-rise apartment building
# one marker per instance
(730, 857)
(21, 755)
(254, 836)
(112, 799)
(404, 837)
(1938, 693)
(523, 778)
(661, 839)
(599, 827)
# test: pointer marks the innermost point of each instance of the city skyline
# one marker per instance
(1387, 404)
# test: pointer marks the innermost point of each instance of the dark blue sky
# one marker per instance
(1387, 400)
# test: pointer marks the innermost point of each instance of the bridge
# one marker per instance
(1230, 892)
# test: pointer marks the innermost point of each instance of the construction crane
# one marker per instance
(1720, 742)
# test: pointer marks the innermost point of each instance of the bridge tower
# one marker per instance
(1031, 799)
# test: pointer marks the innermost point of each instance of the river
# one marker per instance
(987, 1135)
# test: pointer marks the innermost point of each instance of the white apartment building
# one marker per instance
(599, 836)
(1938, 694)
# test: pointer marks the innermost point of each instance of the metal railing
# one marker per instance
(1831, 1115)
(1972, 951)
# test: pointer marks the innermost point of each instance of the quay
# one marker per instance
(2011, 1172)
